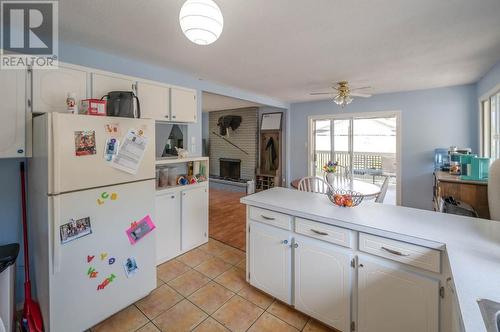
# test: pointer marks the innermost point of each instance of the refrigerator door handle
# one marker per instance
(56, 241)
(56, 170)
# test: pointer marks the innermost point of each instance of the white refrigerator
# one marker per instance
(83, 196)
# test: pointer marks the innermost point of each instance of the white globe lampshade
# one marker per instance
(201, 21)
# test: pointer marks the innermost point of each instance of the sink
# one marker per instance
(491, 314)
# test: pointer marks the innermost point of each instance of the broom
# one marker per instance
(32, 317)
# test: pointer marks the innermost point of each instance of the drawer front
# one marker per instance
(328, 233)
(421, 257)
(272, 218)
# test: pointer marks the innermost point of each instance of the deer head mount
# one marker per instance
(228, 121)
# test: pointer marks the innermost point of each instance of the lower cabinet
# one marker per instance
(392, 299)
(270, 260)
(194, 215)
(322, 286)
(181, 221)
(168, 226)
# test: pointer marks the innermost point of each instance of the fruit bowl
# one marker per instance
(345, 198)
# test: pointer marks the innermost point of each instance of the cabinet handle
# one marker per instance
(166, 116)
(394, 252)
(266, 217)
(318, 232)
(284, 242)
(295, 245)
(173, 116)
(172, 196)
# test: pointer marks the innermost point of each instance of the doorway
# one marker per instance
(366, 144)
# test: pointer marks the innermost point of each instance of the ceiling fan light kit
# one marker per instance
(343, 94)
(201, 21)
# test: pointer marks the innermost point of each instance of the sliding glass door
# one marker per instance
(366, 145)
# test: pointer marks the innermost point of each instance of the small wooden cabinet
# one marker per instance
(474, 193)
(13, 114)
(194, 217)
(391, 299)
(154, 99)
(271, 260)
(323, 281)
(168, 226)
(50, 88)
(183, 105)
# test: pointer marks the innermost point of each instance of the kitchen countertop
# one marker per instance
(472, 245)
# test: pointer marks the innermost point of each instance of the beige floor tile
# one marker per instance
(315, 326)
(255, 296)
(129, 319)
(184, 316)
(171, 270)
(288, 314)
(210, 325)
(237, 314)
(213, 247)
(189, 282)
(160, 300)
(234, 279)
(149, 327)
(211, 297)
(242, 265)
(194, 257)
(270, 323)
(213, 267)
(232, 256)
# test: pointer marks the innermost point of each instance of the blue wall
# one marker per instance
(489, 81)
(430, 118)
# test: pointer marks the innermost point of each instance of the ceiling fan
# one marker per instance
(342, 94)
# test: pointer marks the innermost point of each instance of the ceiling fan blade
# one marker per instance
(362, 95)
(362, 88)
(321, 93)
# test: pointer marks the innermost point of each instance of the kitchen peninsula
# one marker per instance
(374, 267)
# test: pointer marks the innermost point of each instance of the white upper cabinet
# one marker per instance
(51, 88)
(183, 105)
(393, 300)
(271, 260)
(102, 84)
(323, 281)
(154, 100)
(12, 113)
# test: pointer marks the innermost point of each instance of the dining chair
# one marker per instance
(383, 190)
(494, 190)
(314, 184)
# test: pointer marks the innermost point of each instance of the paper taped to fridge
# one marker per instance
(130, 152)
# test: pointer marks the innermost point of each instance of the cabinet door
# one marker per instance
(154, 99)
(194, 218)
(168, 226)
(391, 299)
(183, 105)
(322, 281)
(12, 113)
(102, 84)
(270, 260)
(51, 88)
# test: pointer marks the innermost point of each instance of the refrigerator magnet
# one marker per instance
(75, 229)
(140, 229)
(130, 266)
(85, 143)
(111, 149)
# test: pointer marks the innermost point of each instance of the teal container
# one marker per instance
(478, 169)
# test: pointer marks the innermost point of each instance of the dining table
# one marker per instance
(366, 189)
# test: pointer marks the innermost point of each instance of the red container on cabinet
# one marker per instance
(93, 107)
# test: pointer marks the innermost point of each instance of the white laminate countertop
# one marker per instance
(472, 245)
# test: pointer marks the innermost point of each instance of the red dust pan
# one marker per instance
(32, 317)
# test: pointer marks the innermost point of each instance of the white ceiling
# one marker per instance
(288, 48)
(215, 102)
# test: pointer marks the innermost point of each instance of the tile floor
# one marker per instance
(205, 290)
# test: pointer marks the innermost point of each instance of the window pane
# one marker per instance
(322, 137)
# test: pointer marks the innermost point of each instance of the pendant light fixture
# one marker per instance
(201, 21)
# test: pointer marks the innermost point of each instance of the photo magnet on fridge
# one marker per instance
(75, 229)
(140, 229)
(111, 149)
(130, 266)
(85, 143)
